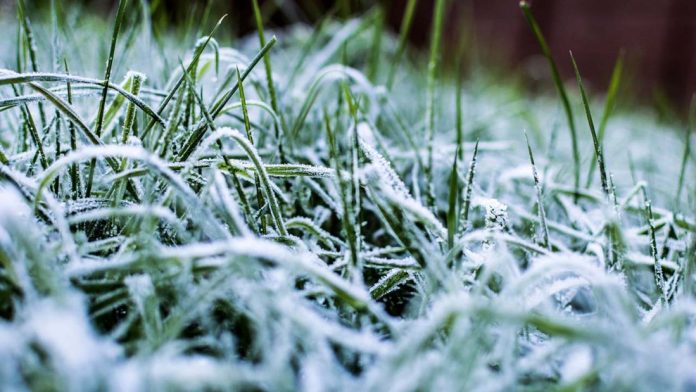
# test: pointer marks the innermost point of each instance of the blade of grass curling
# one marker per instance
(471, 173)
(595, 141)
(687, 149)
(406, 22)
(196, 56)
(453, 202)
(540, 196)
(219, 105)
(546, 51)
(433, 65)
(609, 105)
(107, 77)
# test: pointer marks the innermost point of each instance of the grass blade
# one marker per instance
(433, 65)
(687, 150)
(546, 51)
(595, 141)
(540, 197)
(406, 22)
(609, 104)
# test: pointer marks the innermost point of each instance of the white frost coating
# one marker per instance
(381, 172)
(132, 210)
(386, 173)
(264, 249)
(63, 330)
(521, 172)
(577, 364)
(496, 213)
(12, 206)
(543, 292)
(135, 74)
(507, 323)
(140, 286)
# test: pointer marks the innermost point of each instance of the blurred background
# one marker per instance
(657, 36)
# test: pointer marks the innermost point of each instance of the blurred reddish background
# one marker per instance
(657, 35)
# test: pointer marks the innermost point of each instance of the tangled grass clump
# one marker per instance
(298, 214)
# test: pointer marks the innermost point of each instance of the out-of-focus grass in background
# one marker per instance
(657, 37)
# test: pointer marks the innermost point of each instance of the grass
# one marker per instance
(262, 217)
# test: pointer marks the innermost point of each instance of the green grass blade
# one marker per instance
(546, 51)
(595, 141)
(433, 66)
(218, 107)
(540, 197)
(609, 105)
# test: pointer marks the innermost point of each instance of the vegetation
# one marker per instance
(312, 210)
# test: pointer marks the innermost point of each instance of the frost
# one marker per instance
(187, 257)
(577, 364)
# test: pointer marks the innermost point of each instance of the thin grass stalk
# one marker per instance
(107, 78)
(524, 5)
(540, 197)
(405, 28)
(433, 65)
(687, 150)
(609, 105)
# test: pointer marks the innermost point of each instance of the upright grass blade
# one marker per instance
(595, 141)
(524, 5)
(657, 266)
(347, 219)
(74, 169)
(107, 78)
(540, 197)
(208, 118)
(453, 202)
(137, 80)
(406, 22)
(687, 149)
(266, 58)
(31, 44)
(33, 131)
(471, 173)
(609, 104)
(433, 65)
(459, 126)
(375, 48)
(270, 84)
(250, 136)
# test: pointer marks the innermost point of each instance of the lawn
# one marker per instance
(324, 208)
